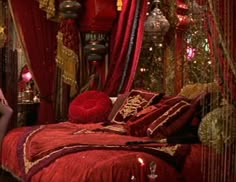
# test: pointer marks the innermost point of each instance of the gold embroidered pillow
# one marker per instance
(171, 121)
(134, 102)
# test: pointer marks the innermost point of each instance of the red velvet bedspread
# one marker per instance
(71, 152)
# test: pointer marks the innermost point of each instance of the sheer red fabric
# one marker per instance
(38, 37)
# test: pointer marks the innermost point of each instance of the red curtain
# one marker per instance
(38, 38)
(125, 46)
(222, 40)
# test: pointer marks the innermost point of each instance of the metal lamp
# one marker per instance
(156, 24)
(69, 9)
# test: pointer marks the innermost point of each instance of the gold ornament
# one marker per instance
(218, 128)
(3, 37)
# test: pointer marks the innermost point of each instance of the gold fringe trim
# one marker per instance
(119, 5)
(67, 61)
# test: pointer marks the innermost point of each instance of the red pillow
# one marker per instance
(138, 124)
(171, 121)
(136, 101)
(116, 106)
(90, 107)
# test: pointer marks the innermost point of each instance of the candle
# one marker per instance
(142, 177)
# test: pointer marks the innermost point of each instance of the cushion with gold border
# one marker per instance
(136, 101)
(170, 122)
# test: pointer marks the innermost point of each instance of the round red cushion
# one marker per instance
(90, 107)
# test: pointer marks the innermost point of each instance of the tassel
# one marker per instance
(119, 5)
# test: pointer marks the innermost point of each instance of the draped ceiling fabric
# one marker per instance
(38, 38)
(125, 47)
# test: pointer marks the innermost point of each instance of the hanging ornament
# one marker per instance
(156, 24)
(95, 51)
(69, 9)
(183, 17)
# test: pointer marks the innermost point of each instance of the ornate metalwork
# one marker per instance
(69, 9)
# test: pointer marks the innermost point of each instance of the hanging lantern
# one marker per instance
(95, 51)
(69, 9)
(156, 24)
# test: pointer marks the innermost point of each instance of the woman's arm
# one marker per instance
(2, 98)
(5, 115)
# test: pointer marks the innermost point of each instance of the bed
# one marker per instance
(155, 141)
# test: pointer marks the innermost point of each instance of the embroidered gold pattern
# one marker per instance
(171, 150)
(132, 105)
(49, 7)
(27, 163)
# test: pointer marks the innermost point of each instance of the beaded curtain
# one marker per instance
(207, 56)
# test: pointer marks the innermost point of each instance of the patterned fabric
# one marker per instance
(49, 7)
(116, 106)
(34, 154)
(191, 91)
(212, 130)
(67, 57)
(135, 102)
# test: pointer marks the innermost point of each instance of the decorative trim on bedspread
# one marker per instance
(173, 154)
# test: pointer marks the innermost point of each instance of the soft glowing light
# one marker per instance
(190, 53)
(27, 76)
(143, 69)
(141, 161)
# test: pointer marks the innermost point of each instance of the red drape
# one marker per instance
(222, 40)
(38, 38)
(121, 36)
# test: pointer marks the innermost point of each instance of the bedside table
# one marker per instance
(27, 113)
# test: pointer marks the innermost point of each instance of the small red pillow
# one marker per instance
(90, 107)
